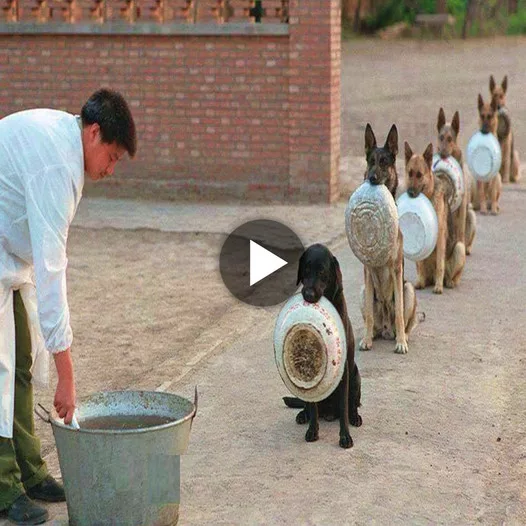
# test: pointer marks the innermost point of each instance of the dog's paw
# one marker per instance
(495, 212)
(329, 417)
(401, 348)
(355, 420)
(450, 284)
(420, 284)
(438, 289)
(301, 417)
(366, 344)
(346, 441)
(311, 435)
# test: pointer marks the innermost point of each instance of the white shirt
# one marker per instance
(41, 181)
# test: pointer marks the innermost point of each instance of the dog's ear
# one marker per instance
(504, 84)
(301, 264)
(337, 266)
(408, 152)
(491, 84)
(370, 140)
(481, 102)
(338, 276)
(428, 155)
(441, 119)
(391, 142)
(455, 123)
(494, 104)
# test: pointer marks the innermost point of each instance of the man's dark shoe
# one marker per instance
(49, 490)
(24, 511)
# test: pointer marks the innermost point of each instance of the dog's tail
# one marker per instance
(293, 402)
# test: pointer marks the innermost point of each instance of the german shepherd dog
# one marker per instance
(464, 219)
(319, 273)
(388, 302)
(447, 261)
(489, 191)
(510, 170)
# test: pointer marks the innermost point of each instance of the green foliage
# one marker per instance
(425, 6)
(492, 19)
(347, 29)
(386, 14)
(457, 8)
(390, 12)
(517, 23)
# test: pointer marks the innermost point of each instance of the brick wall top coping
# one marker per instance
(142, 28)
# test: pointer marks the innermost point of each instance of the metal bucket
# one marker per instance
(124, 477)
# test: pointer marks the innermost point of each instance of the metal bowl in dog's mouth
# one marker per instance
(371, 224)
(310, 347)
(304, 356)
(484, 156)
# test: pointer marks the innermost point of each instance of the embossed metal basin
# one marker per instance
(371, 224)
(310, 348)
(453, 170)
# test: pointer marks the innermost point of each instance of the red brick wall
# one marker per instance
(314, 87)
(246, 116)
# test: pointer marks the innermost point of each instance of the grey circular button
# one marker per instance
(259, 262)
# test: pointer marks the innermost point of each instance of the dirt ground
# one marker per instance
(405, 82)
(137, 298)
(149, 309)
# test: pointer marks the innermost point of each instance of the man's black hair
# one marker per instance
(110, 111)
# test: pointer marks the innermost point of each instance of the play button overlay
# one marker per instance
(259, 262)
(263, 263)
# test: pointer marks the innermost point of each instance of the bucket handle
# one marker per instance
(196, 400)
(46, 416)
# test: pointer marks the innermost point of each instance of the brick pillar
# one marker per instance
(314, 95)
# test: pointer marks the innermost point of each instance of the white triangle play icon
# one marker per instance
(263, 263)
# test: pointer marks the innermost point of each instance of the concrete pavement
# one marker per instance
(443, 440)
(444, 434)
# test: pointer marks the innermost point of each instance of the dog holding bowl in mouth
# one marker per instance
(484, 157)
(448, 151)
(443, 264)
(314, 348)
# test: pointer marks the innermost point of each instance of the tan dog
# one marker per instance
(488, 118)
(446, 263)
(510, 169)
(464, 219)
(388, 302)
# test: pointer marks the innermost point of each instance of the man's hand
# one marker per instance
(65, 396)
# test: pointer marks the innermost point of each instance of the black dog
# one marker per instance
(319, 272)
